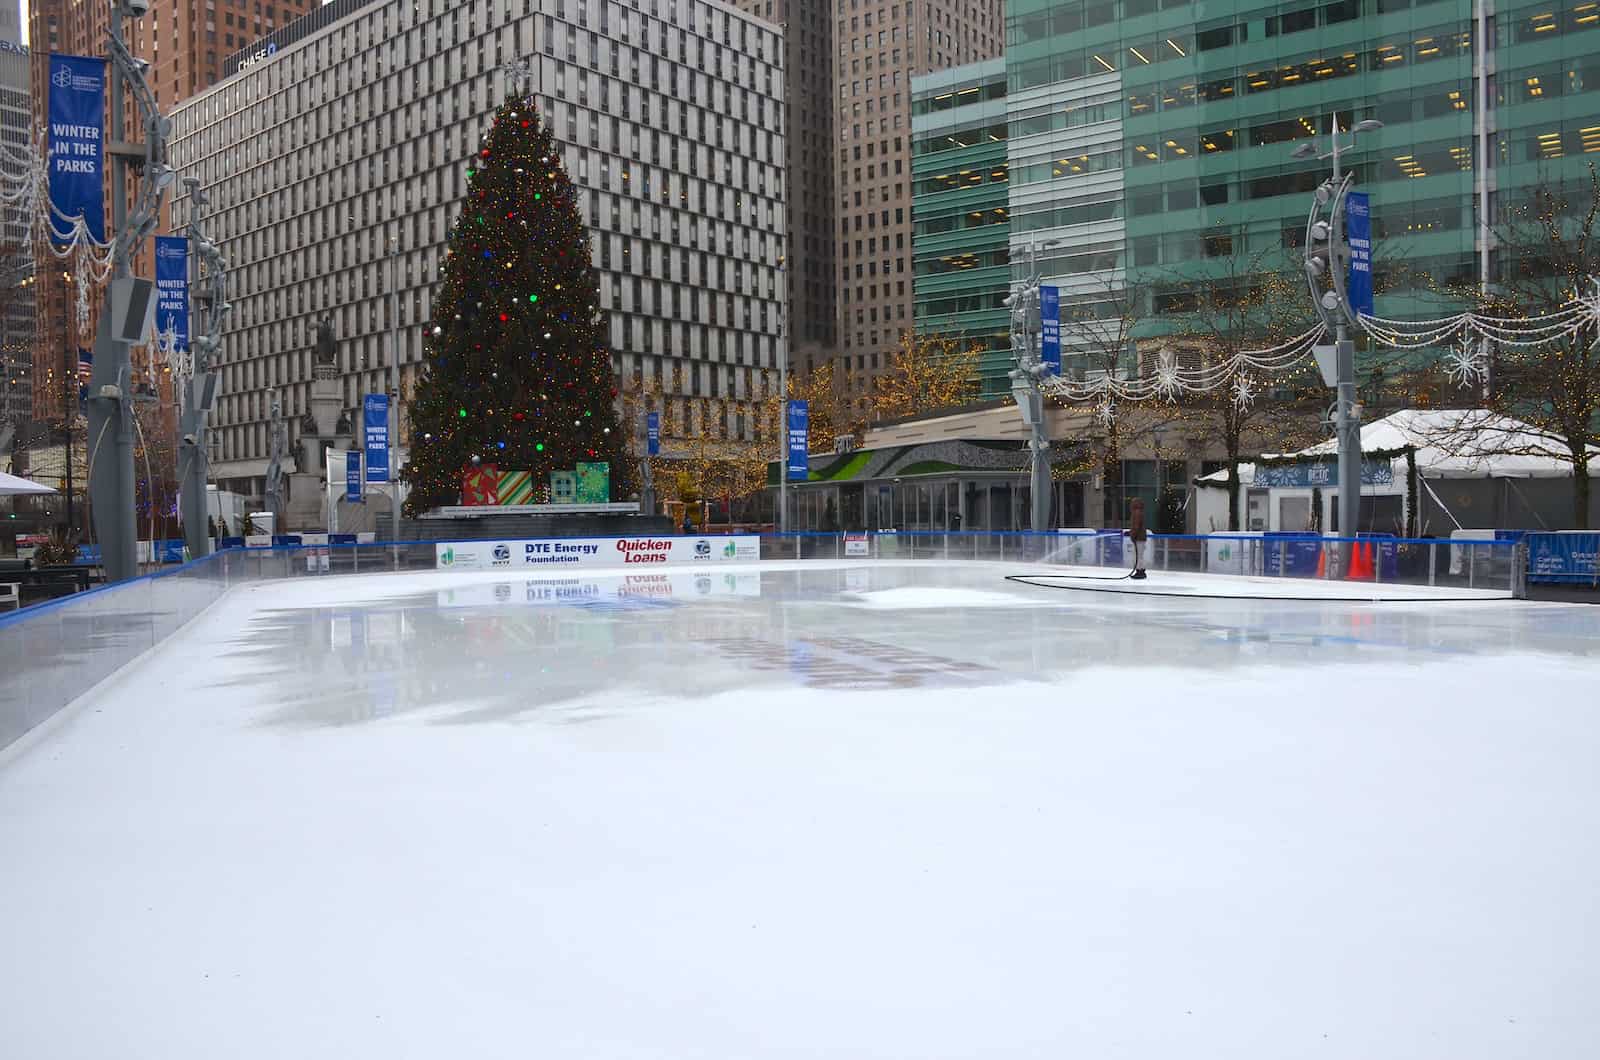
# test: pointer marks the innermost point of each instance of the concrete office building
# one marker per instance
(350, 138)
(879, 46)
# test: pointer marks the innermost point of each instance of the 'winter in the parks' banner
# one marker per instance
(1050, 328)
(77, 142)
(352, 476)
(799, 441)
(652, 432)
(1358, 229)
(375, 429)
(172, 288)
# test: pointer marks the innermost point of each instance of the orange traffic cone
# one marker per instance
(1361, 562)
(1322, 561)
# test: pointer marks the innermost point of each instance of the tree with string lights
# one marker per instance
(1240, 302)
(517, 376)
(1549, 256)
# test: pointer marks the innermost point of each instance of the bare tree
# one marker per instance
(1243, 302)
(1547, 257)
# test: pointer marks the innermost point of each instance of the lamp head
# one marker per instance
(1368, 125)
(1305, 150)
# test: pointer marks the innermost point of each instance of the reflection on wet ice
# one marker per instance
(559, 649)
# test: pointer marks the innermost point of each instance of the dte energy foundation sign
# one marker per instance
(629, 552)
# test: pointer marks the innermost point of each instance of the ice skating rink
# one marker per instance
(893, 811)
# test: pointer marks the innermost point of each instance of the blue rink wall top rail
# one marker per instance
(52, 653)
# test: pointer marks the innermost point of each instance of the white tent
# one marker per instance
(1453, 444)
(12, 486)
(1464, 443)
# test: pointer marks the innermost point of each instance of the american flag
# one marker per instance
(85, 370)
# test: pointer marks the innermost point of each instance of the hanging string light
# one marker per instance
(1470, 331)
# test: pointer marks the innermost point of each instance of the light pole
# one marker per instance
(394, 390)
(200, 388)
(1026, 330)
(110, 401)
(783, 397)
(1327, 256)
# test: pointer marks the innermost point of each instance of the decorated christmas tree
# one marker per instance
(518, 381)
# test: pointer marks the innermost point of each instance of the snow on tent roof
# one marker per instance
(1451, 443)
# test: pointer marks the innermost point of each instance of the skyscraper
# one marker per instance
(808, 105)
(879, 45)
(1155, 147)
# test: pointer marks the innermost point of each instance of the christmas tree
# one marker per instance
(518, 376)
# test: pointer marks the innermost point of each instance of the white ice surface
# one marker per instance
(831, 812)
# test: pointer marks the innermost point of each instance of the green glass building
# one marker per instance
(1148, 139)
(960, 212)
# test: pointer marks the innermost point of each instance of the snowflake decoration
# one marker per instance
(1465, 364)
(1167, 382)
(1105, 413)
(1244, 395)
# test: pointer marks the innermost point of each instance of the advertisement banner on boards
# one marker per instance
(1358, 230)
(530, 553)
(1050, 328)
(375, 431)
(172, 288)
(1563, 557)
(799, 418)
(77, 142)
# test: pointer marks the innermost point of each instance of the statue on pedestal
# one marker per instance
(326, 354)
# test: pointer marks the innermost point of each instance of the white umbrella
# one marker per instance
(12, 486)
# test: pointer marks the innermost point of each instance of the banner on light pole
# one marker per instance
(172, 288)
(1358, 230)
(1050, 328)
(652, 433)
(77, 142)
(799, 416)
(352, 476)
(375, 431)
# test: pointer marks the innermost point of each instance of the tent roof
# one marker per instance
(11, 485)
(1452, 443)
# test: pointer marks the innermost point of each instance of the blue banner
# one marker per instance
(799, 441)
(1358, 230)
(1050, 328)
(1568, 557)
(77, 142)
(172, 288)
(375, 417)
(1319, 471)
(352, 476)
(652, 432)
